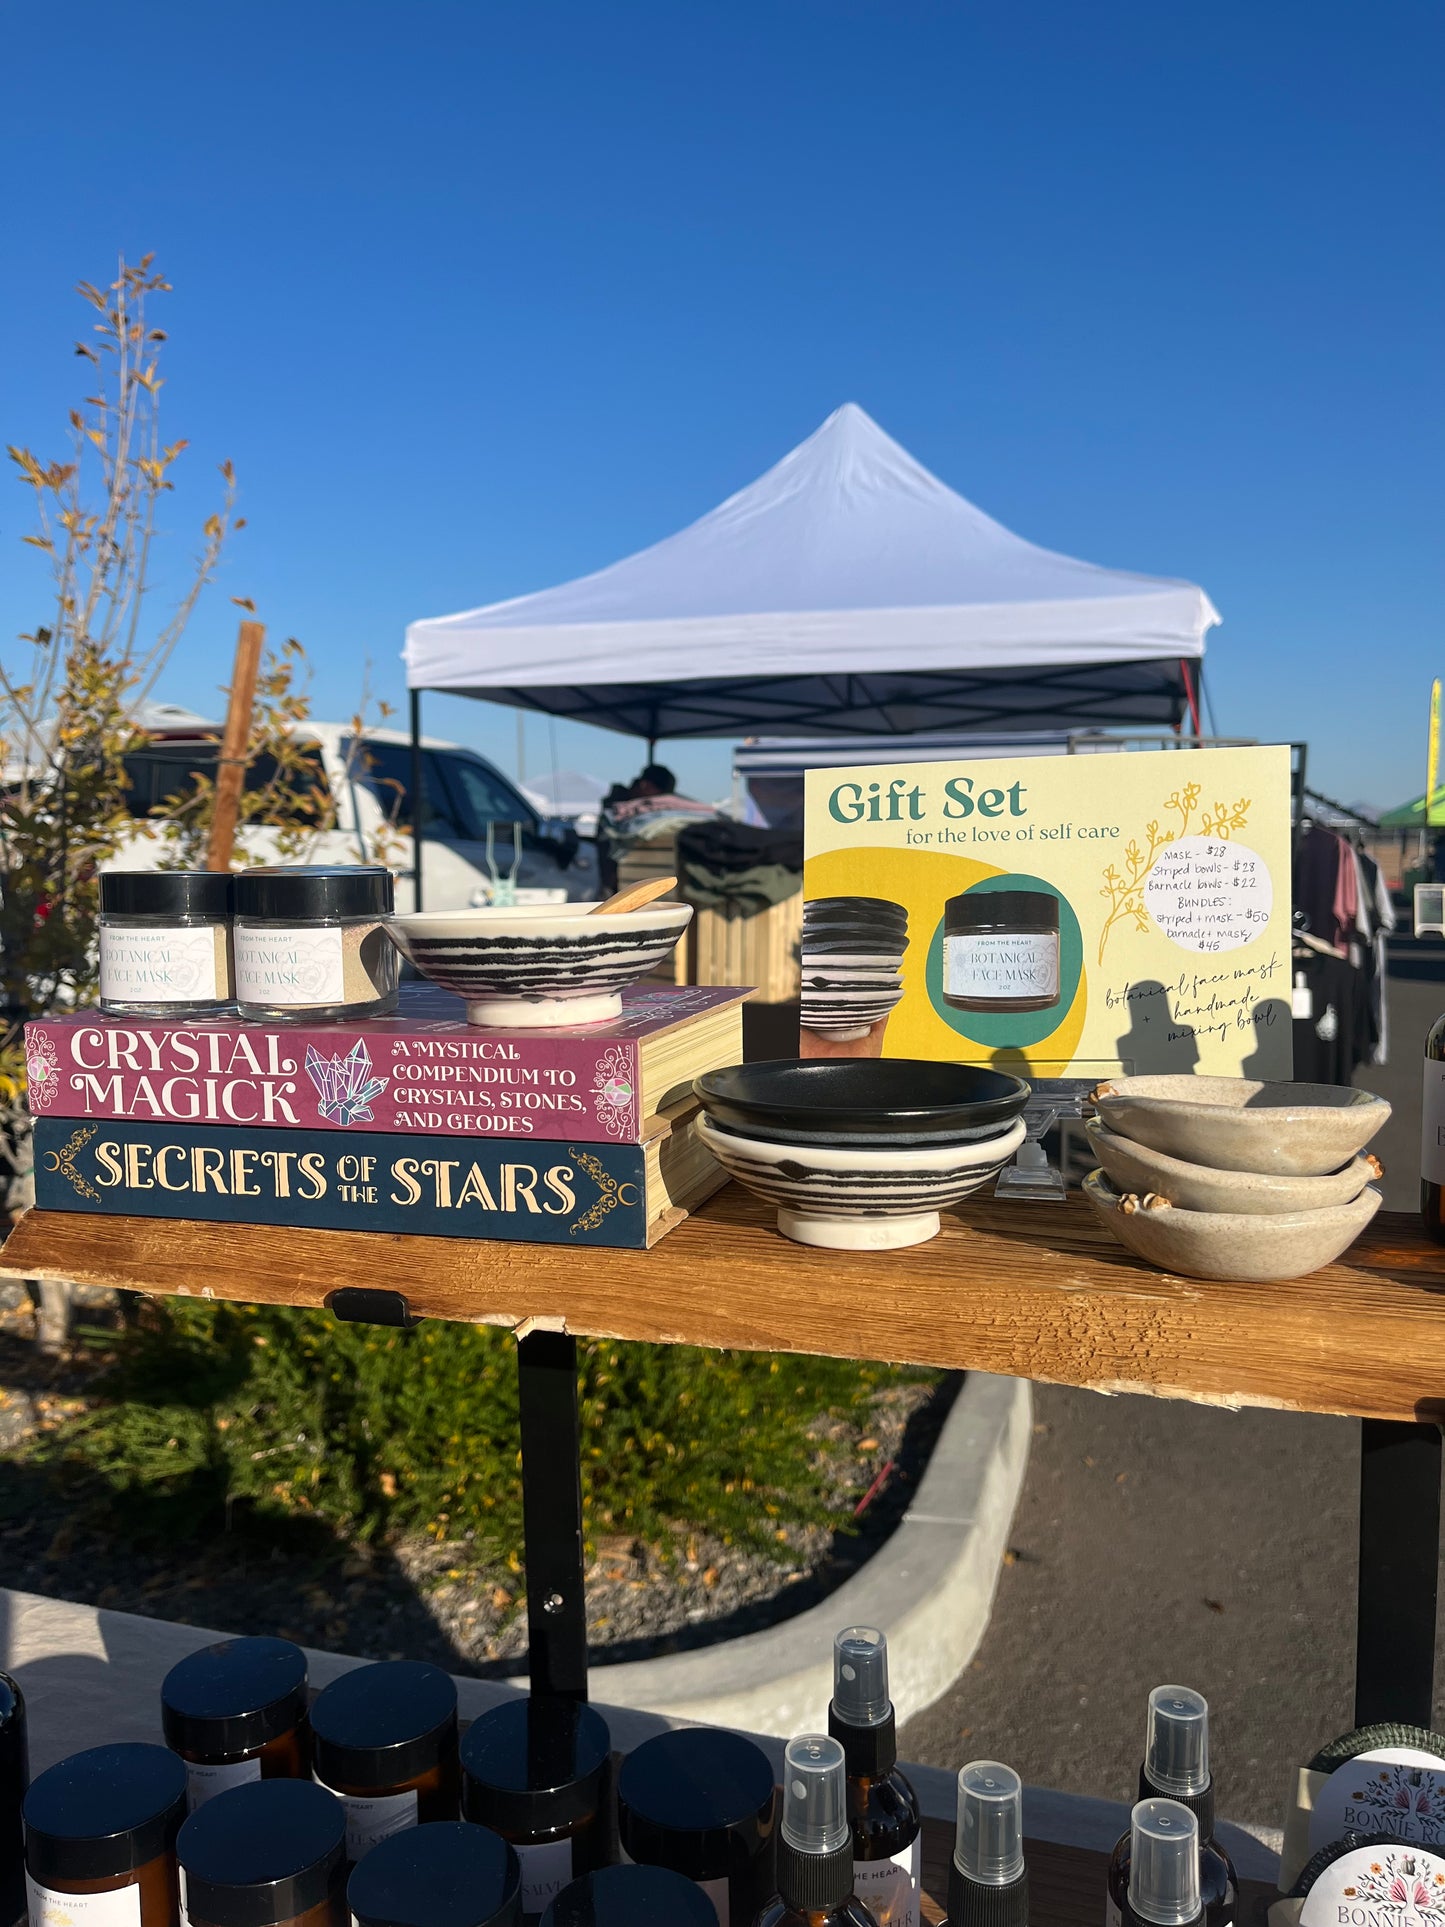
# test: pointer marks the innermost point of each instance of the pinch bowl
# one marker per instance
(1198, 1187)
(1228, 1244)
(532, 968)
(854, 1103)
(863, 1198)
(1237, 1124)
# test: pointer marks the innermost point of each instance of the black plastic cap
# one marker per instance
(447, 1873)
(972, 1904)
(698, 1801)
(234, 1697)
(870, 1752)
(1201, 1805)
(166, 893)
(103, 1812)
(381, 1725)
(813, 1882)
(631, 1897)
(534, 1765)
(262, 1853)
(307, 891)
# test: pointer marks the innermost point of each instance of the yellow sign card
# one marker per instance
(1059, 916)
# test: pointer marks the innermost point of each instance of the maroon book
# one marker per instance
(423, 1069)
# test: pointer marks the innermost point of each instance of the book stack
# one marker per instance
(415, 1122)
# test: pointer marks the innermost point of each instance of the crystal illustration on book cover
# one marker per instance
(345, 1086)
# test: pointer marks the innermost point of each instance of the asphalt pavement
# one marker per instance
(1160, 1541)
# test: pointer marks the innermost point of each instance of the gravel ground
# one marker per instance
(413, 1597)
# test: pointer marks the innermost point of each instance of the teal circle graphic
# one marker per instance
(1012, 1029)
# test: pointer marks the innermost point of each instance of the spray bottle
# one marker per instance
(1163, 1886)
(1176, 1767)
(815, 1844)
(988, 1884)
(882, 1806)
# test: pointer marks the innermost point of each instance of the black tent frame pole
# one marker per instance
(416, 804)
(1399, 1572)
(552, 1514)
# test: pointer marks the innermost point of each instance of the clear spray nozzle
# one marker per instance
(1176, 1741)
(1164, 1863)
(815, 1794)
(860, 1676)
(989, 1844)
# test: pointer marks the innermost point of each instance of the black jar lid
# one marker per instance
(1001, 910)
(314, 892)
(103, 1812)
(447, 1873)
(379, 1725)
(262, 1853)
(686, 1800)
(532, 1765)
(14, 1754)
(234, 1697)
(631, 1897)
(165, 893)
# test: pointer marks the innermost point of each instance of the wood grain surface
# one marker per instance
(1033, 1290)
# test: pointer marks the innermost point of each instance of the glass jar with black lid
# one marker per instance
(701, 1802)
(631, 1897)
(103, 1824)
(14, 1778)
(1001, 951)
(311, 943)
(165, 942)
(448, 1873)
(384, 1741)
(236, 1711)
(268, 1854)
(538, 1771)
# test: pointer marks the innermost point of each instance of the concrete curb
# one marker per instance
(930, 1589)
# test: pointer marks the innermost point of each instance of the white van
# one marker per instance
(369, 782)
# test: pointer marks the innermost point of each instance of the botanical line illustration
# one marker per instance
(1124, 889)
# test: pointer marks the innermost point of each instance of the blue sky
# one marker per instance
(480, 296)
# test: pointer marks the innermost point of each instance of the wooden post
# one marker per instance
(231, 771)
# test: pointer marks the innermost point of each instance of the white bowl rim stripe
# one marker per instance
(826, 1157)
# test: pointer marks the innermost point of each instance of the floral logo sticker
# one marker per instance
(614, 1092)
(1405, 1798)
(1378, 1886)
(42, 1072)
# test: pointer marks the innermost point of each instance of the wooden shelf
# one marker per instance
(1036, 1291)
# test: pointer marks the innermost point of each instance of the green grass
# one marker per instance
(216, 1411)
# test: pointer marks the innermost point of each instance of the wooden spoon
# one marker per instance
(634, 896)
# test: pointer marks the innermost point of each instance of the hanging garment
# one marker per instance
(1335, 1037)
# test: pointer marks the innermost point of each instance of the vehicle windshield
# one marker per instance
(460, 795)
(161, 777)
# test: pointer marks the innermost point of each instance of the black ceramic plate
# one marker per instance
(861, 1101)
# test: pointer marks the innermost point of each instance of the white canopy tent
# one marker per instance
(846, 590)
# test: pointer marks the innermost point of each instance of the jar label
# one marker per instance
(891, 1889)
(1432, 1137)
(368, 1821)
(142, 964)
(546, 1870)
(1385, 1790)
(49, 1909)
(1113, 1916)
(994, 965)
(1378, 1887)
(289, 966)
(205, 1782)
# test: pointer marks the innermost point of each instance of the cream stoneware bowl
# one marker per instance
(1235, 1124)
(865, 1200)
(1196, 1187)
(1230, 1244)
(528, 969)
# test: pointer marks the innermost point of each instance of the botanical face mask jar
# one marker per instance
(165, 942)
(14, 1778)
(236, 1711)
(701, 1803)
(103, 1825)
(448, 1874)
(537, 1771)
(270, 1854)
(384, 1741)
(1001, 950)
(631, 1897)
(311, 943)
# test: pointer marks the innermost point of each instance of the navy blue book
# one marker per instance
(538, 1193)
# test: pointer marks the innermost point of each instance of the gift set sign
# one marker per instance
(1068, 915)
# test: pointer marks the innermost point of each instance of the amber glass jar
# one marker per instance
(103, 1824)
(538, 1772)
(701, 1802)
(271, 1853)
(446, 1874)
(236, 1711)
(631, 1897)
(14, 1778)
(384, 1741)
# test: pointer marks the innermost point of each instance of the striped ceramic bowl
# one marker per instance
(534, 969)
(864, 1200)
